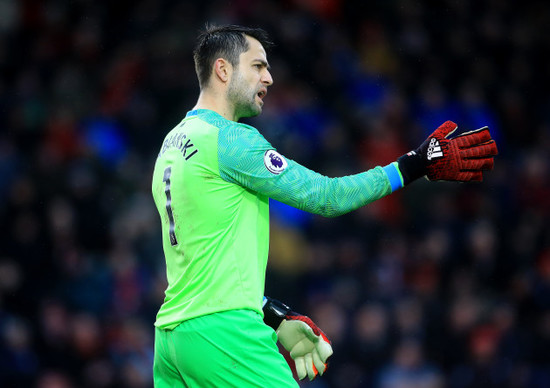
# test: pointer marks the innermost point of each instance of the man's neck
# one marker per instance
(208, 101)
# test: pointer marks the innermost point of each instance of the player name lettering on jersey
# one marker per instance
(180, 141)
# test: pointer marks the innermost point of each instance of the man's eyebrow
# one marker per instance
(263, 62)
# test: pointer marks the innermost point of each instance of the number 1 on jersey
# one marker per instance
(166, 180)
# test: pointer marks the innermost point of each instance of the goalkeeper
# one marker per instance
(211, 184)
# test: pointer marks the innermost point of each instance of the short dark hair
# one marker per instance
(227, 42)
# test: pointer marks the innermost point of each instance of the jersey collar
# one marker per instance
(196, 112)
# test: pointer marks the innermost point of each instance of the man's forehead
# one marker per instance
(255, 48)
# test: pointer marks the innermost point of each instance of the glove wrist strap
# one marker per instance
(274, 312)
(412, 166)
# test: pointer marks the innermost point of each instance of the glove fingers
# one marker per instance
(310, 367)
(324, 349)
(480, 150)
(300, 367)
(444, 130)
(477, 164)
(468, 139)
(490, 147)
(318, 363)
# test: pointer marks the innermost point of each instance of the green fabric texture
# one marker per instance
(212, 182)
(227, 349)
(221, 229)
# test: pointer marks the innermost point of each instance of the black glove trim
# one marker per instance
(412, 166)
(274, 312)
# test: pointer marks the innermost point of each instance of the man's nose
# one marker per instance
(267, 79)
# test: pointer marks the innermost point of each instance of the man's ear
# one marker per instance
(222, 69)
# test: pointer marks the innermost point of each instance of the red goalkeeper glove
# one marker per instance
(461, 158)
(309, 347)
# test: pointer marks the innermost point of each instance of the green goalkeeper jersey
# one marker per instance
(211, 184)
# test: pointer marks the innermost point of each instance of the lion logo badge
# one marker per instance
(274, 162)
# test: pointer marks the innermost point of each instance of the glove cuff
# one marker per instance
(274, 312)
(412, 166)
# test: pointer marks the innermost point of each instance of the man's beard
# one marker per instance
(242, 98)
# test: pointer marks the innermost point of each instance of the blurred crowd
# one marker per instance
(439, 285)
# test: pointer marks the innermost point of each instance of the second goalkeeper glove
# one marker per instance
(309, 347)
(461, 158)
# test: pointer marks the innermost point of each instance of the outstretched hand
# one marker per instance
(462, 158)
